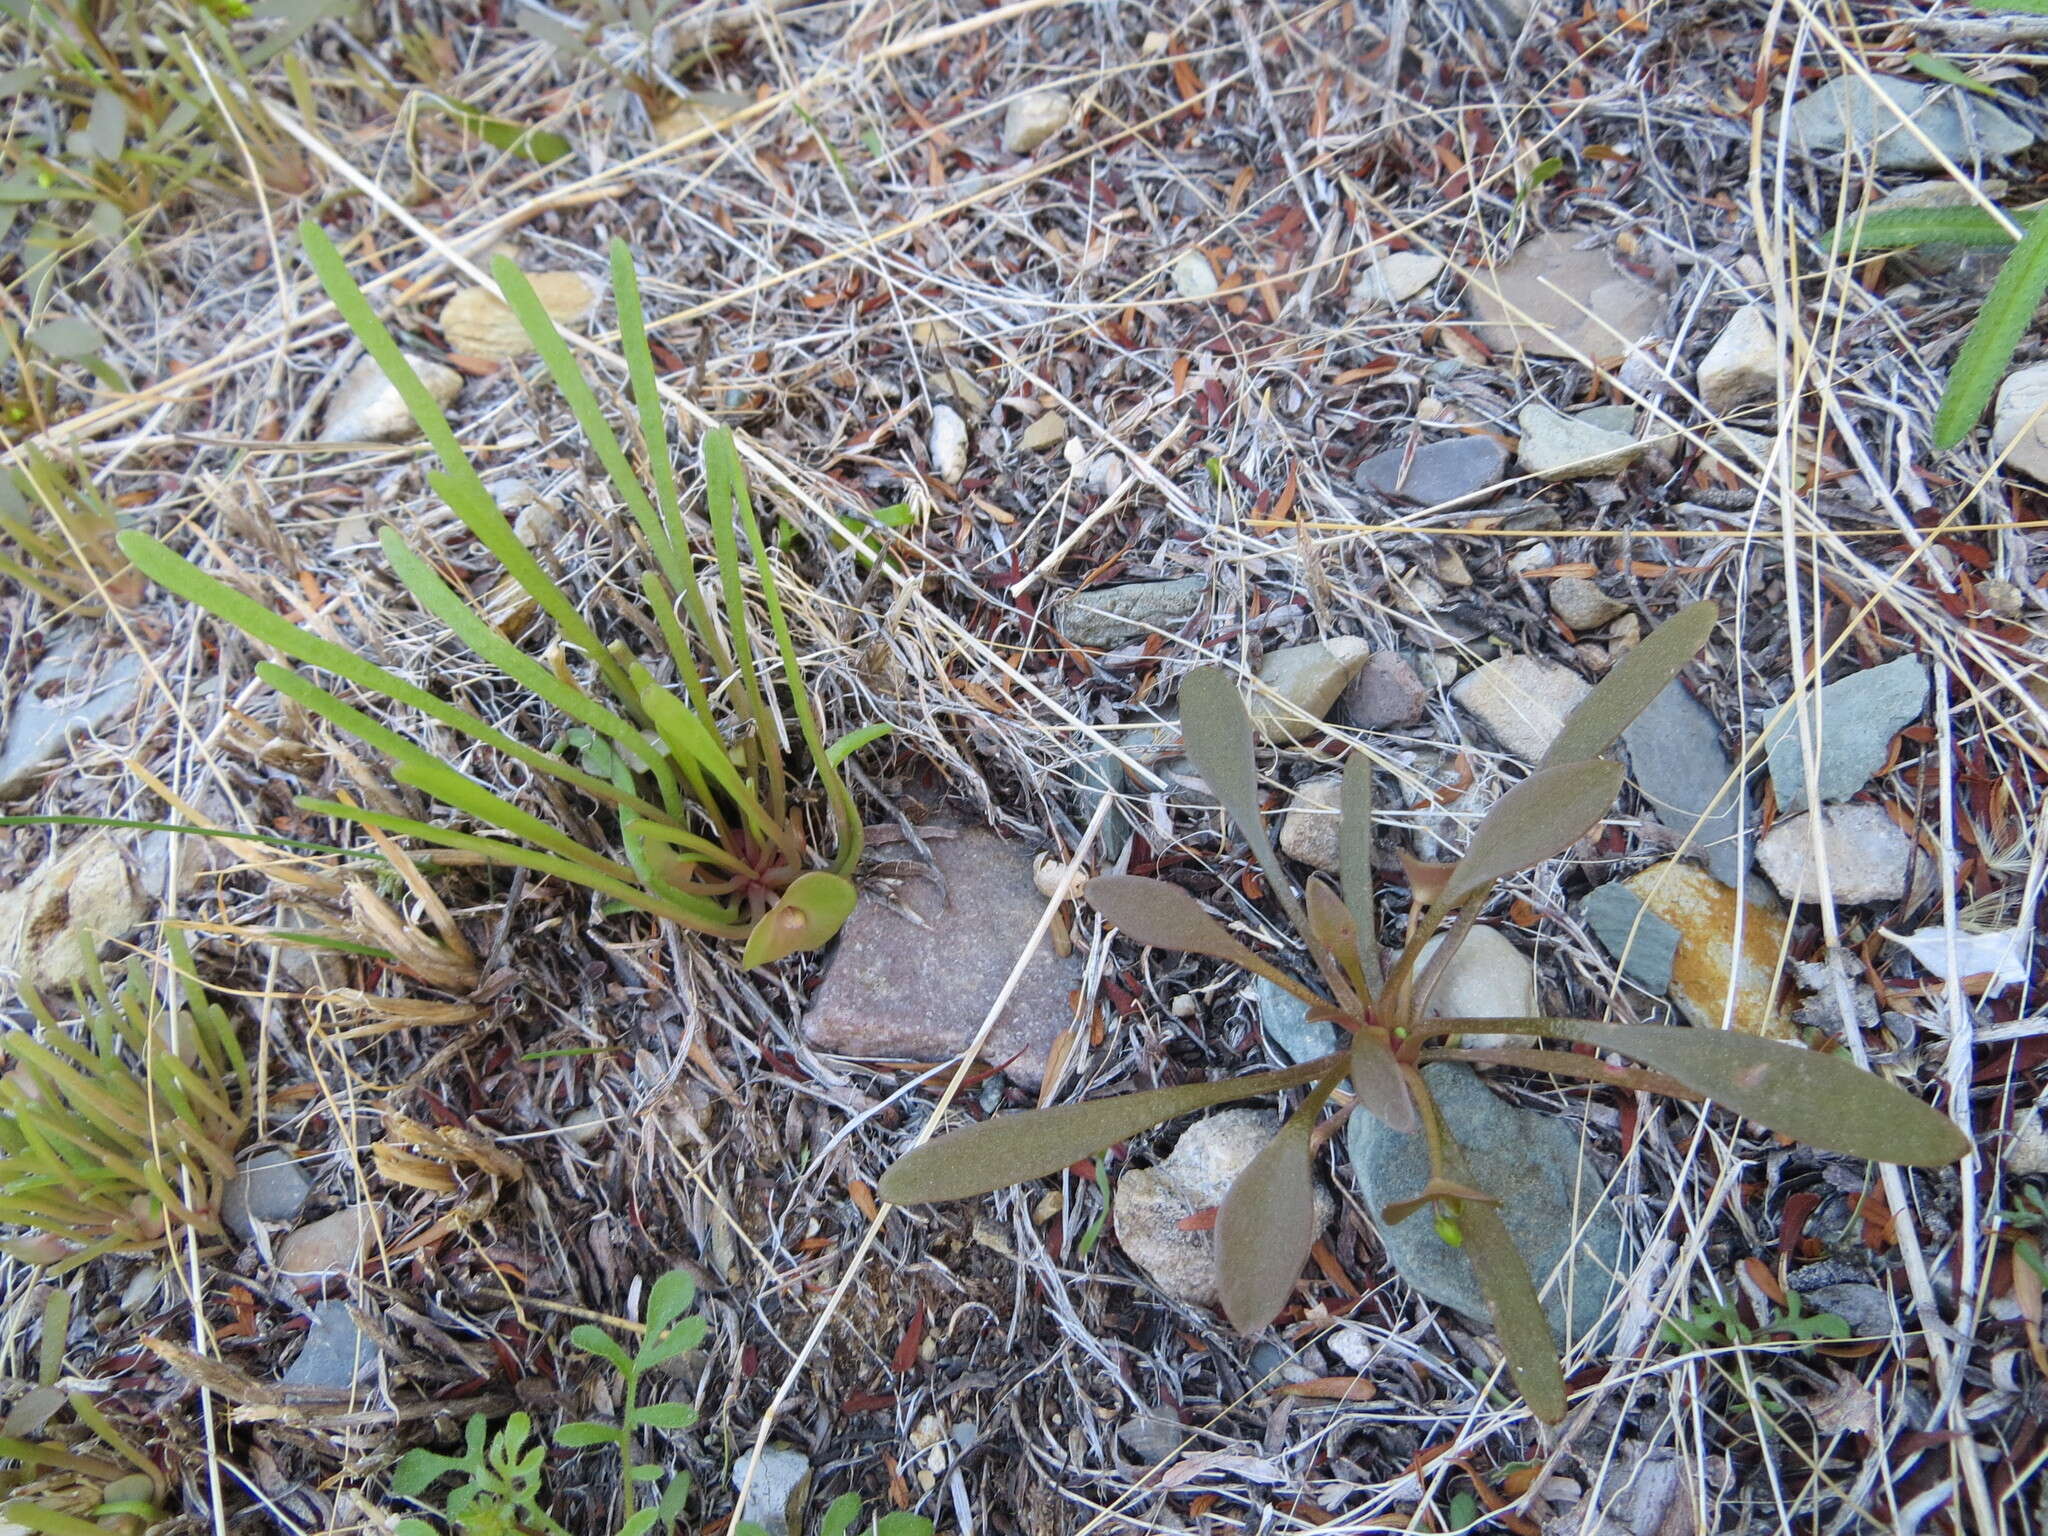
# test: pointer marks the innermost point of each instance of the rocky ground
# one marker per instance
(1412, 361)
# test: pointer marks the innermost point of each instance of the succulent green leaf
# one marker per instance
(812, 910)
(901, 1522)
(1821, 1098)
(1265, 1227)
(1517, 1313)
(665, 1415)
(1539, 818)
(2008, 310)
(1013, 1148)
(1218, 738)
(1631, 686)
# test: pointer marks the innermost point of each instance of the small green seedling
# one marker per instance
(1719, 1325)
(2008, 309)
(1266, 1223)
(500, 1491)
(842, 1516)
(669, 1334)
(711, 833)
(117, 1129)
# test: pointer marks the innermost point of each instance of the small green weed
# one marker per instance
(111, 1136)
(1719, 1325)
(1265, 1225)
(712, 834)
(843, 1515)
(57, 538)
(501, 1484)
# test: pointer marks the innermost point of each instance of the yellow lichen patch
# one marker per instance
(1703, 910)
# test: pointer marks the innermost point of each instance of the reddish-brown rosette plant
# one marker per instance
(1266, 1224)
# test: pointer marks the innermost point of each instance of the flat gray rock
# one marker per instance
(1679, 766)
(1645, 946)
(898, 992)
(269, 1187)
(1867, 855)
(1555, 297)
(85, 681)
(1855, 720)
(336, 1355)
(1548, 1194)
(1847, 113)
(1560, 447)
(1112, 615)
(1284, 1020)
(1440, 472)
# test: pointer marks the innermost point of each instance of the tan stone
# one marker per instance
(477, 323)
(1707, 968)
(83, 897)
(1555, 298)
(699, 110)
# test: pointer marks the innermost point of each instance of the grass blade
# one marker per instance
(2007, 311)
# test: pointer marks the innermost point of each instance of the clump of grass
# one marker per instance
(116, 1130)
(694, 761)
(57, 539)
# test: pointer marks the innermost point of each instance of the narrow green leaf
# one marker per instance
(811, 911)
(1632, 685)
(535, 144)
(585, 1433)
(1822, 1099)
(1033, 1145)
(840, 750)
(664, 1416)
(1940, 69)
(1354, 862)
(1517, 1313)
(1888, 229)
(1539, 818)
(1163, 915)
(1265, 1227)
(1217, 734)
(593, 1340)
(2008, 310)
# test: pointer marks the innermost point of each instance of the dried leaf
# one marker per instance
(1631, 686)
(1265, 1228)
(1539, 818)
(1012, 1148)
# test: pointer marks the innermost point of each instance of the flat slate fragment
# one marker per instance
(896, 992)
(1678, 763)
(1855, 720)
(1438, 472)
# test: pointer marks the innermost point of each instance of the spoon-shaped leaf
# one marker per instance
(1629, 688)
(1333, 938)
(1517, 1313)
(813, 908)
(1012, 1148)
(1165, 916)
(1540, 817)
(1265, 1227)
(1824, 1100)
(1380, 1084)
(1218, 736)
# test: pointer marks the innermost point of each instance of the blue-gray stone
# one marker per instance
(335, 1355)
(1677, 761)
(1549, 1196)
(1107, 616)
(1854, 721)
(1284, 1019)
(1645, 945)
(1447, 470)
